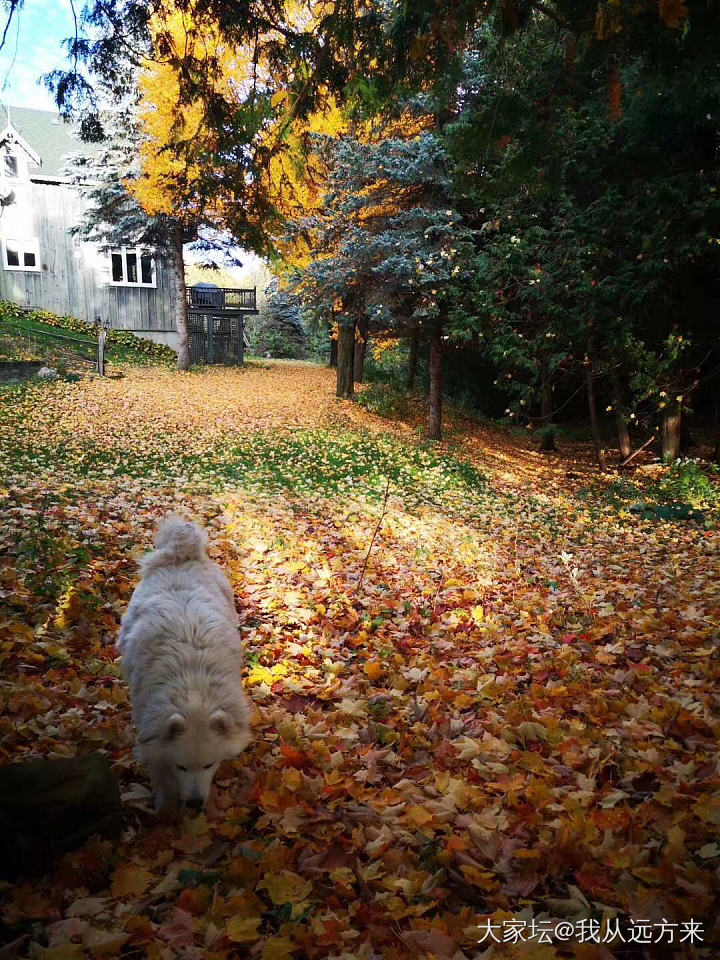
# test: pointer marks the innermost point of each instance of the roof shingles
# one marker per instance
(50, 137)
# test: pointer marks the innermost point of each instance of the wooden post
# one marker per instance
(102, 337)
(241, 345)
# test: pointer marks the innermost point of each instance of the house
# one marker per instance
(43, 266)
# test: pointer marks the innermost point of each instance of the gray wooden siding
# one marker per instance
(73, 278)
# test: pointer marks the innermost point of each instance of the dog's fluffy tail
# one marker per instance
(177, 541)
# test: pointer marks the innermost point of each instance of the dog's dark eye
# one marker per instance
(184, 769)
(207, 766)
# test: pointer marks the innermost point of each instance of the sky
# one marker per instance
(34, 47)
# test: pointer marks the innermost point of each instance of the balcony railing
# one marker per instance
(221, 298)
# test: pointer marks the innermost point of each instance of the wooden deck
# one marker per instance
(222, 299)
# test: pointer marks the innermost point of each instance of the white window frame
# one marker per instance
(139, 252)
(29, 245)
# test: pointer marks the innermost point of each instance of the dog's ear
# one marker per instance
(221, 723)
(174, 727)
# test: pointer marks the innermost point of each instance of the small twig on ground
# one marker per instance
(374, 536)
(639, 450)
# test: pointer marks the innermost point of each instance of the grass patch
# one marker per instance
(304, 463)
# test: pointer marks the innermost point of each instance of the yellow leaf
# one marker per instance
(130, 879)
(342, 876)
(278, 948)
(418, 816)
(243, 929)
(279, 97)
(285, 887)
(478, 614)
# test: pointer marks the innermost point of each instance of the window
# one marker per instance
(10, 166)
(132, 267)
(22, 254)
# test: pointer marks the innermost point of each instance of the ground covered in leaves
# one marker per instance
(511, 712)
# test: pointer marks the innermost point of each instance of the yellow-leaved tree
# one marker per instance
(196, 178)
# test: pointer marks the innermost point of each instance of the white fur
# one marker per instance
(182, 656)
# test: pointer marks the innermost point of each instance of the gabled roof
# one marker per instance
(46, 135)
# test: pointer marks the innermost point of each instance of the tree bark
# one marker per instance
(671, 431)
(592, 410)
(716, 451)
(345, 362)
(360, 350)
(413, 358)
(619, 411)
(177, 266)
(435, 397)
(547, 439)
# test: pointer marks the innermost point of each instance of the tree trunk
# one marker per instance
(413, 358)
(619, 411)
(592, 410)
(333, 352)
(345, 361)
(671, 431)
(180, 300)
(360, 351)
(547, 437)
(716, 451)
(435, 398)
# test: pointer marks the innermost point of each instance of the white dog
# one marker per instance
(181, 656)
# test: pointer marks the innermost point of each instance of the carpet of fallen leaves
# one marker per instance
(512, 713)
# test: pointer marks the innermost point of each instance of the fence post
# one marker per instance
(103, 327)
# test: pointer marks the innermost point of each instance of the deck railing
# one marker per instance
(221, 298)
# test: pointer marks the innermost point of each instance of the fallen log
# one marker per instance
(48, 807)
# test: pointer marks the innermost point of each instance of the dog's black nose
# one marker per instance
(195, 803)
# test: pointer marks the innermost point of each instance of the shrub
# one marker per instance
(689, 481)
(384, 400)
